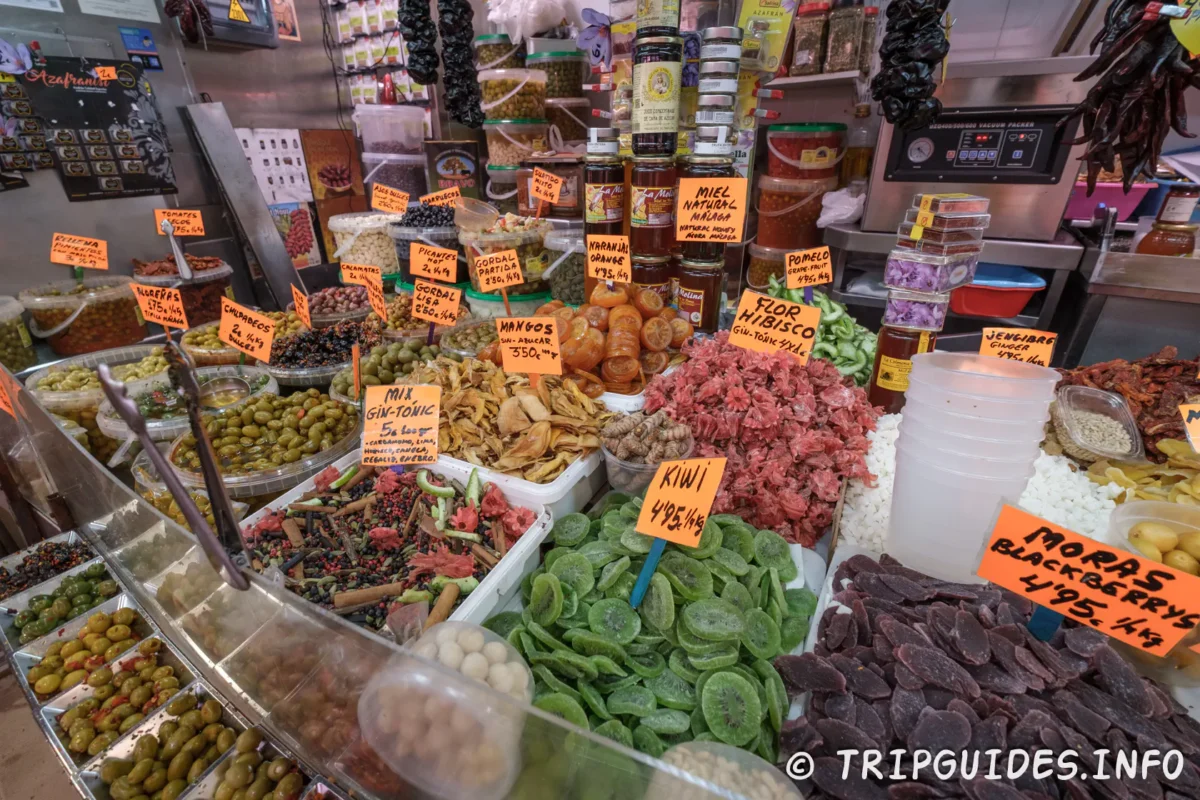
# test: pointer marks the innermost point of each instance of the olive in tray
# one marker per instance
(66, 664)
(75, 594)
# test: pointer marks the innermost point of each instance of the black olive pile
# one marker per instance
(913, 47)
(323, 347)
(455, 24)
(427, 216)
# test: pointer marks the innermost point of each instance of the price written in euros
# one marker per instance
(401, 425)
(78, 251)
(161, 305)
(680, 498)
(434, 303)
(246, 330)
(530, 344)
(608, 258)
(1019, 344)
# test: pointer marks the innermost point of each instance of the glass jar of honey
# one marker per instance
(699, 300)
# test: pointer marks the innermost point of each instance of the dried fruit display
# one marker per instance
(791, 433)
(647, 438)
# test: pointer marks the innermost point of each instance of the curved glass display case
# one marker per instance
(315, 685)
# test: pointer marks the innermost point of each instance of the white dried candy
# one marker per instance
(445, 633)
(474, 665)
(450, 654)
(500, 678)
(495, 652)
(427, 650)
(470, 640)
(520, 675)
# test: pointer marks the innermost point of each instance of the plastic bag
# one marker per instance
(841, 207)
(521, 19)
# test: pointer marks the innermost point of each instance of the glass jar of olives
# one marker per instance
(16, 346)
(85, 316)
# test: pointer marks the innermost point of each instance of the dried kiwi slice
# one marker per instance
(563, 706)
(731, 708)
(667, 721)
(592, 698)
(622, 589)
(792, 633)
(614, 619)
(770, 549)
(738, 595)
(635, 701)
(672, 691)
(697, 724)
(570, 529)
(598, 553)
(777, 699)
(690, 577)
(648, 665)
(727, 656)
(554, 683)
(606, 666)
(679, 664)
(616, 730)
(713, 619)
(761, 634)
(648, 742)
(658, 606)
(612, 571)
(731, 561)
(789, 571)
(546, 601)
(588, 643)
(800, 602)
(710, 541)
(503, 623)
(575, 569)
(636, 542)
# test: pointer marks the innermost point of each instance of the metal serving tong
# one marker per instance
(230, 533)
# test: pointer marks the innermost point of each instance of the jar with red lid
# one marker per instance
(808, 36)
(812, 150)
(653, 273)
(788, 210)
(705, 167)
(699, 298)
(652, 206)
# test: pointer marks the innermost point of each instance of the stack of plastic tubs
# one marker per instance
(971, 431)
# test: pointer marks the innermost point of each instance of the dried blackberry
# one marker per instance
(418, 30)
(455, 24)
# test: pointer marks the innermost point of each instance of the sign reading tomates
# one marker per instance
(78, 251)
(767, 324)
(246, 330)
(186, 222)
(711, 210)
(679, 499)
(400, 425)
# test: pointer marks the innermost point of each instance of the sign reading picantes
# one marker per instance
(809, 268)
(711, 210)
(385, 198)
(530, 344)
(300, 300)
(161, 305)
(608, 258)
(371, 277)
(435, 303)
(446, 197)
(1119, 593)
(1191, 423)
(78, 251)
(498, 270)
(767, 324)
(246, 330)
(435, 263)
(679, 499)
(186, 222)
(400, 425)
(1018, 344)
(545, 185)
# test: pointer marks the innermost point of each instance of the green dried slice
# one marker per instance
(614, 619)
(570, 529)
(576, 620)
(528, 644)
(545, 637)
(707, 736)
(632, 509)
(593, 526)
(777, 699)
(771, 549)
(570, 605)
(689, 577)
(731, 561)
(646, 637)
(792, 633)
(740, 539)
(668, 721)
(764, 590)
(678, 663)
(767, 748)
(546, 602)
(636, 701)
(592, 699)
(554, 682)
(560, 705)
(713, 619)
(598, 553)
(622, 588)
(588, 643)
(710, 541)
(647, 741)
(775, 612)
(800, 602)
(731, 708)
(635, 649)
(609, 685)
(658, 606)
(761, 635)
(648, 665)
(514, 637)
(789, 572)
(554, 555)
(670, 636)
(606, 666)
(738, 595)
(752, 679)
(720, 575)
(504, 623)
(692, 643)
(636, 542)
(612, 571)
(727, 656)
(575, 569)
(612, 526)
(777, 588)
(672, 691)
(616, 730)
(527, 583)
(570, 664)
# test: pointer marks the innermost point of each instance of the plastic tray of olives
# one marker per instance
(13, 624)
(306, 376)
(247, 764)
(33, 654)
(168, 743)
(321, 791)
(57, 400)
(172, 669)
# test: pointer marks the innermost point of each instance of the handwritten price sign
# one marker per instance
(711, 210)
(385, 198)
(1191, 423)
(608, 258)
(546, 186)
(161, 306)
(434, 303)
(499, 271)
(300, 300)
(530, 344)
(809, 268)
(446, 197)
(247, 330)
(1123, 595)
(78, 251)
(435, 263)
(767, 324)
(106, 73)
(679, 499)
(9, 388)
(401, 425)
(371, 277)
(186, 222)
(1019, 344)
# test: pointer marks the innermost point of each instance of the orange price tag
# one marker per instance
(370, 277)
(161, 306)
(498, 271)
(355, 356)
(401, 425)
(106, 73)
(809, 268)
(78, 251)
(9, 388)
(608, 258)
(1019, 344)
(385, 198)
(1117, 592)
(247, 330)
(711, 210)
(434, 303)
(1191, 423)
(435, 263)
(529, 344)
(185, 221)
(679, 499)
(767, 324)
(546, 185)
(300, 300)
(446, 197)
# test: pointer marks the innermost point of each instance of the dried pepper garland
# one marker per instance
(419, 33)
(913, 46)
(455, 23)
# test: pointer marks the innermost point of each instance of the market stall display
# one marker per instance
(402, 326)
(201, 293)
(510, 232)
(429, 225)
(312, 358)
(361, 238)
(337, 304)
(64, 598)
(42, 563)
(635, 444)
(84, 316)
(16, 347)
(205, 348)
(840, 339)
(68, 662)
(383, 365)
(148, 484)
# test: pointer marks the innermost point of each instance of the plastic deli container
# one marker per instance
(788, 210)
(496, 51)
(16, 346)
(1077, 413)
(567, 254)
(954, 203)
(625, 476)
(997, 291)
(983, 447)
(530, 251)
(986, 377)
(513, 93)
(502, 188)
(910, 235)
(362, 238)
(446, 237)
(467, 340)
(391, 128)
(148, 484)
(214, 356)
(511, 141)
(96, 314)
(566, 494)
(765, 263)
(566, 71)
(570, 197)
(920, 272)
(570, 115)
(491, 306)
(915, 310)
(306, 376)
(807, 151)
(946, 221)
(201, 295)
(405, 173)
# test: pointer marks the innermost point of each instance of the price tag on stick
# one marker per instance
(446, 197)
(371, 277)
(766, 324)
(185, 221)
(435, 263)
(246, 330)
(1019, 344)
(300, 300)
(161, 305)
(711, 210)
(498, 270)
(546, 185)
(355, 357)
(78, 251)
(385, 198)
(1121, 594)
(608, 258)
(434, 303)
(400, 425)
(530, 344)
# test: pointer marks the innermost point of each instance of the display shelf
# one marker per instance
(1061, 253)
(807, 81)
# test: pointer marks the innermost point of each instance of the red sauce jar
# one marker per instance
(652, 206)
(805, 151)
(699, 298)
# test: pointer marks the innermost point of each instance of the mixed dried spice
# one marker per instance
(46, 561)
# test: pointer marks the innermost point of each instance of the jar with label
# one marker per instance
(16, 345)
(808, 34)
(699, 297)
(718, 77)
(567, 167)
(604, 195)
(657, 67)
(603, 142)
(566, 71)
(715, 109)
(809, 151)
(1167, 239)
(893, 363)
(653, 273)
(511, 141)
(568, 115)
(652, 207)
(713, 140)
(697, 166)
(866, 50)
(721, 43)
(845, 39)
(502, 188)
(788, 211)
(1179, 204)
(657, 18)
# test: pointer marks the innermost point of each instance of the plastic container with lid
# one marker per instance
(765, 263)
(568, 258)
(570, 197)
(947, 250)
(951, 203)
(911, 235)
(16, 346)
(844, 43)
(946, 221)
(530, 251)
(83, 317)
(626, 476)
(501, 187)
(391, 128)
(807, 151)
(788, 210)
(446, 237)
(201, 294)
(566, 71)
(513, 93)
(996, 291)
(491, 306)
(570, 116)
(721, 43)
(405, 173)
(468, 339)
(212, 353)
(148, 484)
(987, 378)
(713, 140)
(920, 272)
(511, 141)
(603, 142)
(306, 376)
(1093, 424)
(916, 310)
(808, 34)
(496, 51)
(362, 238)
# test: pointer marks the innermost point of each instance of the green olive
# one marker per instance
(173, 789)
(238, 775)
(156, 781)
(101, 742)
(249, 740)
(113, 768)
(146, 747)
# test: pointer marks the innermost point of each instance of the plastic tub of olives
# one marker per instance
(86, 392)
(211, 356)
(19, 602)
(244, 776)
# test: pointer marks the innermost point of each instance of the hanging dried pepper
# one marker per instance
(456, 26)
(913, 46)
(417, 28)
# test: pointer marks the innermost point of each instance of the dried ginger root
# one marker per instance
(647, 440)
(620, 427)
